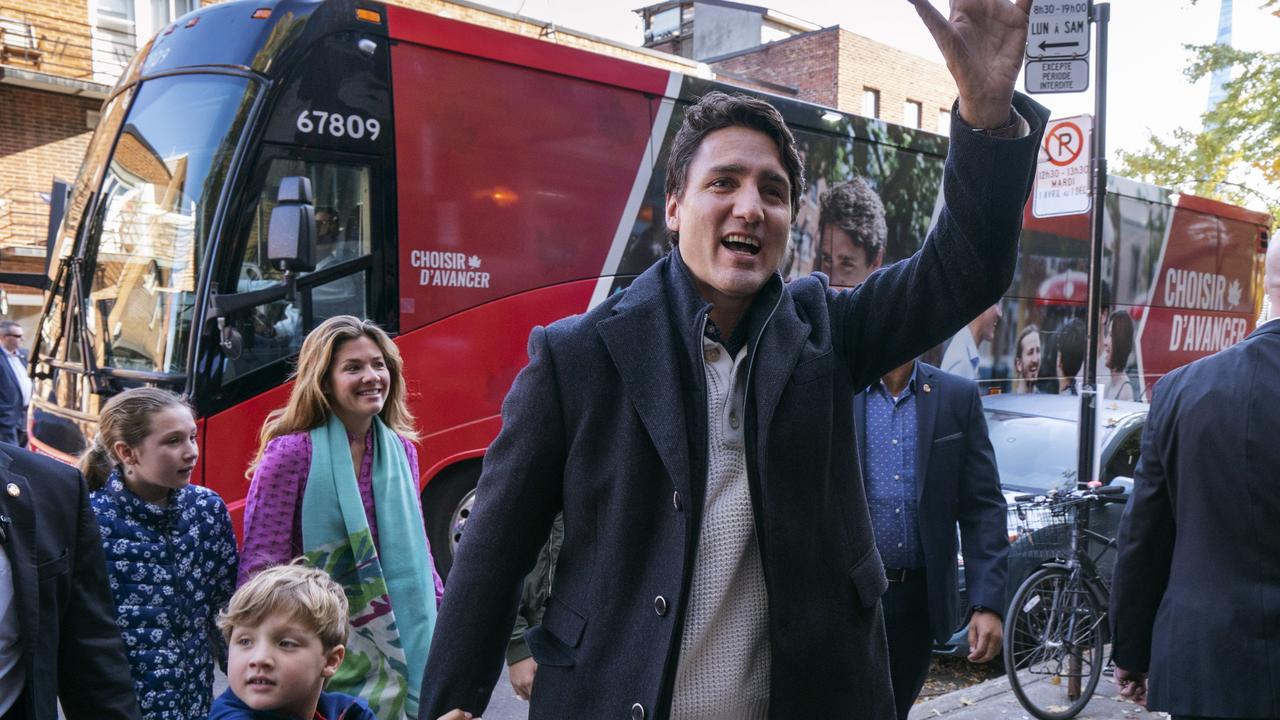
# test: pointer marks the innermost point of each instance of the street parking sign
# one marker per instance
(1063, 177)
(1058, 29)
(1057, 75)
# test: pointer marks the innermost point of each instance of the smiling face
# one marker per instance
(280, 666)
(165, 458)
(1027, 363)
(358, 381)
(733, 216)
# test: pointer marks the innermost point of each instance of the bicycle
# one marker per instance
(1056, 624)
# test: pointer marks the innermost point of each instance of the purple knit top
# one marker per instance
(273, 509)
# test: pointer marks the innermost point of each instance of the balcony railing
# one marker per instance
(24, 218)
(32, 40)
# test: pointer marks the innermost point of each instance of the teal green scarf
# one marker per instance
(392, 593)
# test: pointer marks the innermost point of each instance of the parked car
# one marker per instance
(1035, 440)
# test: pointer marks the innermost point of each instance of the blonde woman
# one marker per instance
(336, 480)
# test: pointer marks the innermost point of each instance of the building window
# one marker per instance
(911, 113)
(870, 102)
(944, 121)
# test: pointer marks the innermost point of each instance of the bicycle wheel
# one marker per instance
(1053, 644)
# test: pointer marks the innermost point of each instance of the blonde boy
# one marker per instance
(286, 629)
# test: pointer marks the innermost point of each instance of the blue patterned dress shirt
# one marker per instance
(891, 474)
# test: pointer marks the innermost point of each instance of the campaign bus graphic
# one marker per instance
(468, 184)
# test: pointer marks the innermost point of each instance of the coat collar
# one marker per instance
(1270, 326)
(642, 336)
(134, 507)
(654, 336)
(19, 509)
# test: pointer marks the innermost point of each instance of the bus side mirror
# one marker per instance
(291, 234)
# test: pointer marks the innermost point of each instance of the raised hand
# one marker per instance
(983, 43)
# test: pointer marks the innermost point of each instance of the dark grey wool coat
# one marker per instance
(608, 423)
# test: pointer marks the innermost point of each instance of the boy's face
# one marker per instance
(280, 666)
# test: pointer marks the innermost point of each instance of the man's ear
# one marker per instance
(332, 659)
(673, 213)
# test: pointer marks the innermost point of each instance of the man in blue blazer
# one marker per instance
(695, 431)
(928, 465)
(1195, 600)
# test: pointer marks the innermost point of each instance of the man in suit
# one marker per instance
(15, 385)
(695, 431)
(58, 634)
(928, 464)
(1195, 601)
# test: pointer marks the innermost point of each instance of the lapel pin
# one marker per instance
(13, 490)
(928, 387)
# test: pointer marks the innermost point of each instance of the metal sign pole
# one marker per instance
(1101, 15)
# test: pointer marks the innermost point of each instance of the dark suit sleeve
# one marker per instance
(984, 535)
(965, 265)
(1145, 550)
(517, 499)
(93, 672)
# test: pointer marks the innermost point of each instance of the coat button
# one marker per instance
(675, 501)
(660, 606)
(711, 354)
(637, 712)
(733, 419)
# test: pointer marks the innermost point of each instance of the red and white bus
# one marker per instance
(468, 185)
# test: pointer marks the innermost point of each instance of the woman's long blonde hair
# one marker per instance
(308, 407)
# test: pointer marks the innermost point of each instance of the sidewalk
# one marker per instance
(994, 699)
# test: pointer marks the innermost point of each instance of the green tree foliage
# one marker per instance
(1236, 156)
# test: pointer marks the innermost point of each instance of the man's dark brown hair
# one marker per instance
(856, 209)
(717, 110)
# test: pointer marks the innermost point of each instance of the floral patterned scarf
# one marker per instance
(391, 594)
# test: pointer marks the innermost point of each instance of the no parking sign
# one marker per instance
(1063, 177)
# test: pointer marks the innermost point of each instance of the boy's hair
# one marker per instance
(304, 593)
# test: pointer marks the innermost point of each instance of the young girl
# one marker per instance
(336, 480)
(170, 549)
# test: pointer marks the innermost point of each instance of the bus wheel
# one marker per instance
(446, 504)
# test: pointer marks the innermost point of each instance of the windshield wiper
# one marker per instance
(79, 300)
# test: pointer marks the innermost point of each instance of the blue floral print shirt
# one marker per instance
(172, 569)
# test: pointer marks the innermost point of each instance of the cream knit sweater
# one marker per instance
(724, 656)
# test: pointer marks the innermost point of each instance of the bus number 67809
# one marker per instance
(321, 122)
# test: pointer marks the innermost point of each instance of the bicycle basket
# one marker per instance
(1041, 523)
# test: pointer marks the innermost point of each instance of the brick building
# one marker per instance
(756, 47)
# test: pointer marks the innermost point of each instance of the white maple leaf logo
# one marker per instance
(473, 262)
(1233, 293)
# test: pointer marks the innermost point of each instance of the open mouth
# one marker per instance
(260, 682)
(370, 393)
(742, 244)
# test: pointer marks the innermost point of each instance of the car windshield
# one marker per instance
(151, 223)
(1033, 453)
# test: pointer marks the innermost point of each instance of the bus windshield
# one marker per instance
(152, 221)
